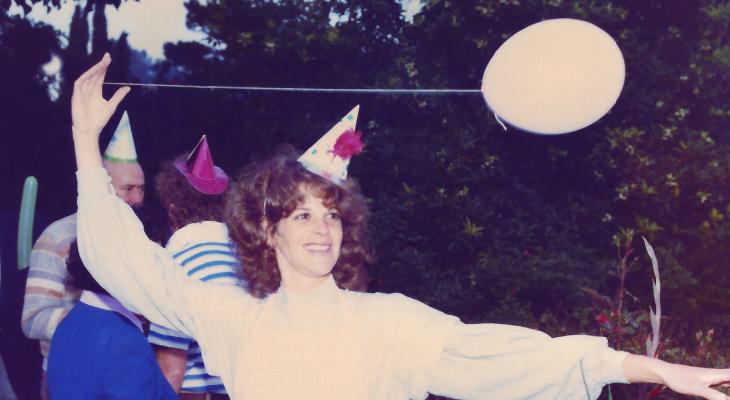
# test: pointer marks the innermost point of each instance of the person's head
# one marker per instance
(294, 227)
(127, 180)
(156, 227)
(78, 274)
(155, 221)
(185, 204)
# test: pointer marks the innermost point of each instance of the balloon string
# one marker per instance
(295, 89)
(500, 122)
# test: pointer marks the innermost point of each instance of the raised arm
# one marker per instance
(111, 240)
(112, 243)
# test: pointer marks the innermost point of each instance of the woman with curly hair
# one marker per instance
(272, 191)
(311, 338)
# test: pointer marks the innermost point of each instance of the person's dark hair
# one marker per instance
(155, 221)
(184, 204)
(271, 190)
(156, 226)
(78, 274)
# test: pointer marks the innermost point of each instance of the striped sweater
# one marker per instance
(47, 296)
(205, 253)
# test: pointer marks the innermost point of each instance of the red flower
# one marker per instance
(348, 144)
(602, 319)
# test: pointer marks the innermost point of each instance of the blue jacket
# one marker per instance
(100, 354)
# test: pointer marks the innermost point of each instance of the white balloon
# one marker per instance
(555, 76)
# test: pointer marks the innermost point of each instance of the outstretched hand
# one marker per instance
(90, 112)
(684, 379)
(695, 381)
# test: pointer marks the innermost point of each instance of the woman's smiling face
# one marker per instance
(307, 244)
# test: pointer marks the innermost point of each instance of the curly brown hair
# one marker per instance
(184, 204)
(269, 191)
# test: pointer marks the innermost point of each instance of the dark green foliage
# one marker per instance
(26, 5)
(24, 49)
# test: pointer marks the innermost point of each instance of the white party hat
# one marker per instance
(330, 156)
(121, 148)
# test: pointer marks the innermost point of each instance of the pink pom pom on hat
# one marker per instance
(199, 170)
(330, 156)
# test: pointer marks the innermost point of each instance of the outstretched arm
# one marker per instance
(693, 381)
(485, 361)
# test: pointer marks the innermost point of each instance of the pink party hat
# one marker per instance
(199, 170)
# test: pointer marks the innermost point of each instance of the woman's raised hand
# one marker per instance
(90, 112)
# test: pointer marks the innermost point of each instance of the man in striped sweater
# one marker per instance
(192, 192)
(48, 298)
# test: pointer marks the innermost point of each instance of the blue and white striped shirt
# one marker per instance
(205, 253)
